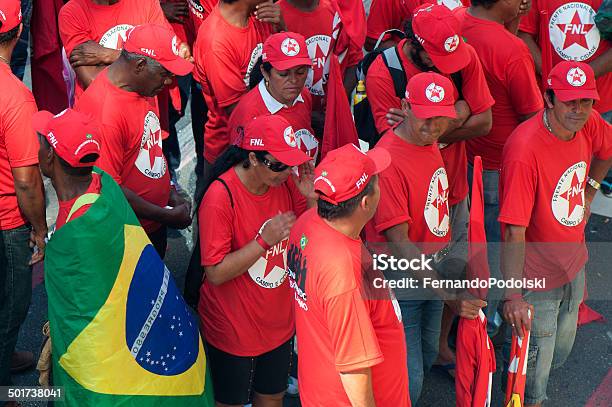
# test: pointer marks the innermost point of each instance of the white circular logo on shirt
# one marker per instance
(434, 93)
(151, 161)
(175, 44)
(568, 197)
(289, 137)
(290, 47)
(255, 54)
(115, 37)
(307, 142)
(318, 50)
(436, 206)
(451, 43)
(576, 77)
(572, 31)
(270, 270)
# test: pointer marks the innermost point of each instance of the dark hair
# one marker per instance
(130, 56)
(9, 35)
(68, 169)
(415, 48)
(330, 211)
(256, 76)
(551, 95)
(232, 156)
(487, 4)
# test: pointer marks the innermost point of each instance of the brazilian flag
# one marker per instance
(121, 332)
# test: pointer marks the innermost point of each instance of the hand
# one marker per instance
(38, 239)
(177, 199)
(467, 307)
(269, 12)
(179, 217)
(185, 52)
(463, 112)
(305, 181)
(395, 116)
(278, 228)
(91, 54)
(518, 313)
(175, 12)
(524, 7)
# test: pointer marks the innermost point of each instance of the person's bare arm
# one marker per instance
(475, 126)
(178, 217)
(534, 49)
(350, 80)
(31, 200)
(89, 58)
(524, 117)
(358, 387)
(599, 169)
(602, 64)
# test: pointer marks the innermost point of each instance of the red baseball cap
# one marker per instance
(158, 43)
(344, 172)
(286, 50)
(10, 15)
(274, 134)
(439, 31)
(430, 95)
(72, 135)
(573, 80)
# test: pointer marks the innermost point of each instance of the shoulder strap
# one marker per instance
(85, 199)
(392, 60)
(227, 189)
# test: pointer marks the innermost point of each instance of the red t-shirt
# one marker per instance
(18, 142)
(382, 97)
(224, 57)
(542, 188)
(572, 35)
(317, 27)
(131, 141)
(252, 313)
(413, 190)
(83, 20)
(342, 327)
(510, 73)
(387, 14)
(260, 102)
(66, 206)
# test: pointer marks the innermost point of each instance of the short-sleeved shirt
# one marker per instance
(413, 191)
(66, 206)
(224, 58)
(131, 150)
(387, 14)
(382, 97)
(260, 102)
(18, 142)
(198, 12)
(571, 34)
(510, 73)
(252, 313)
(83, 20)
(542, 187)
(340, 326)
(317, 27)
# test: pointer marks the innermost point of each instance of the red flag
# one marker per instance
(546, 48)
(517, 370)
(353, 16)
(475, 352)
(586, 314)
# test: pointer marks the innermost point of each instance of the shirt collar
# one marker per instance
(272, 104)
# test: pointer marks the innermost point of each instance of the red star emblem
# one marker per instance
(275, 257)
(577, 77)
(291, 46)
(441, 202)
(318, 64)
(575, 32)
(435, 92)
(573, 195)
(154, 145)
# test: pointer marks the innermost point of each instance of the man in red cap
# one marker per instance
(122, 99)
(552, 165)
(350, 337)
(414, 216)
(94, 31)
(22, 202)
(281, 91)
(434, 43)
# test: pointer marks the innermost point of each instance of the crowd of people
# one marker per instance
(289, 210)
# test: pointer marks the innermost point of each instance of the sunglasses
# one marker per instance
(274, 166)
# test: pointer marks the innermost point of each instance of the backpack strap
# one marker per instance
(85, 199)
(392, 60)
(228, 190)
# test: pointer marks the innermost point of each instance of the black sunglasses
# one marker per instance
(274, 166)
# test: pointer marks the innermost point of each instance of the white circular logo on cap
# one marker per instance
(290, 137)
(451, 43)
(175, 48)
(434, 92)
(576, 77)
(290, 47)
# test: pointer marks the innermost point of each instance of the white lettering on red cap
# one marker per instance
(362, 180)
(290, 47)
(576, 77)
(434, 93)
(149, 52)
(451, 43)
(52, 139)
(289, 136)
(2, 15)
(175, 44)
(256, 142)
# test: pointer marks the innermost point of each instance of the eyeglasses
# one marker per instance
(274, 166)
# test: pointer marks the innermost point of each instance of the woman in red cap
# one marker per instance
(281, 90)
(245, 301)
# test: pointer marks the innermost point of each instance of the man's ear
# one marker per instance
(265, 74)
